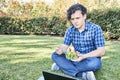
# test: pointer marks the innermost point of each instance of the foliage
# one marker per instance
(58, 25)
(41, 18)
(71, 54)
(109, 20)
(10, 25)
(41, 25)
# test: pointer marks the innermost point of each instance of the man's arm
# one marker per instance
(61, 49)
(100, 51)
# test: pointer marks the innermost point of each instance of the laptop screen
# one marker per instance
(53, 76)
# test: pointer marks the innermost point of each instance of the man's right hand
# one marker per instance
(59, 50)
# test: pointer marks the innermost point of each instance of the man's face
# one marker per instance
(78, 20)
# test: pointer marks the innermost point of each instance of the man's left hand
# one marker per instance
(80, 57)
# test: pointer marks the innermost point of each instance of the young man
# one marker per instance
(88, 42)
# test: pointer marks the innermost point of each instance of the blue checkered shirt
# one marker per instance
(86, 41)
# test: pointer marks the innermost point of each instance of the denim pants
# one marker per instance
(72, 68)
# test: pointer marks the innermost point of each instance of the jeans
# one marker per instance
(72, 68)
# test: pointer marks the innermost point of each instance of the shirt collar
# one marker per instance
(86, 25)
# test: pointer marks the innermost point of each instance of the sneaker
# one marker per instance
(41, 78)
(55, 67)
(88, 75)
(84, 76)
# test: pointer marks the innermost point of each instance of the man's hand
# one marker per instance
(59, 50)
(80, 57)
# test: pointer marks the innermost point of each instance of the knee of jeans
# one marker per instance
(95, 65)
(54, 54)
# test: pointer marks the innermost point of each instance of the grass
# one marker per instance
(23, 57)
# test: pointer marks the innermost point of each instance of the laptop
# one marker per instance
(53, 76)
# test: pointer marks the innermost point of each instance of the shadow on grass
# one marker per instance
(110, 68)
(25, 70)
(24, 57)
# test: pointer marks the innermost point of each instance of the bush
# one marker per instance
(55, 25)
(41, 25)
(109, 21)
(38, 25)
(10, 25)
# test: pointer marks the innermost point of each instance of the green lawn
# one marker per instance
(24, 57)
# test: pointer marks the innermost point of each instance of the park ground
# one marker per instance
(23, 57)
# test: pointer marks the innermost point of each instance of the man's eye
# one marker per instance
(78, 18)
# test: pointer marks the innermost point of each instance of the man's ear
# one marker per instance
(85, 16)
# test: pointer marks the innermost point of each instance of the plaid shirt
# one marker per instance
(86, 41)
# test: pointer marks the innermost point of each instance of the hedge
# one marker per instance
(108, 19)
(38, 26)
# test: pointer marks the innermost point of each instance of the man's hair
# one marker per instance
(74, 8)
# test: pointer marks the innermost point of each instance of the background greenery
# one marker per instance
(40, 18)
(23, 57)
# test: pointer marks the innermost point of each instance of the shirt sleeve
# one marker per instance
(99, 37)
(67, 37)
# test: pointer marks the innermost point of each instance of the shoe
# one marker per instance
(55, 67)
(88, 75)
(84, 76)
(41, 78)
